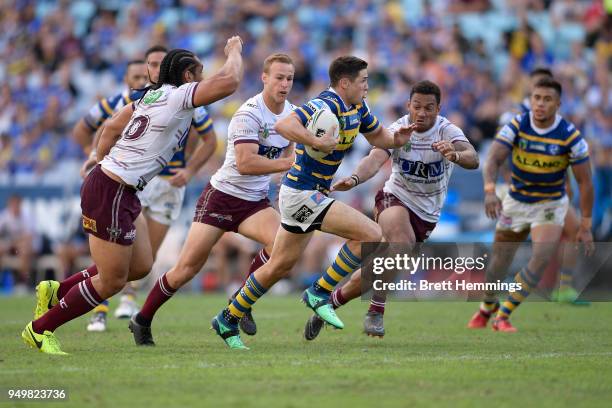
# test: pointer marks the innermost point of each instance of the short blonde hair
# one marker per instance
(278, 57)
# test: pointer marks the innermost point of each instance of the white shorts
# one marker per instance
(162, 201)
(302, 210)
(518, 216)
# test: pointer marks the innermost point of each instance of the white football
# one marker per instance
(319, 123)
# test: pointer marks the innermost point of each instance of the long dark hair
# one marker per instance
(173, 67)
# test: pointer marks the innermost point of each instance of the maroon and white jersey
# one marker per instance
(420, 175)
(158, 128)
(254, 123)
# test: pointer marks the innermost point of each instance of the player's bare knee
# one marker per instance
(372, 233)
(112, 284)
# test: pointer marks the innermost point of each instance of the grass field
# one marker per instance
(562, 356)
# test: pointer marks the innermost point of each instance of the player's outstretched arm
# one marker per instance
(582, 173)
(498, 154)
(291, 128)
(250, 163)
(225, 81)
(387, 139)
(112, 130)
(366, 169)
(459, 152)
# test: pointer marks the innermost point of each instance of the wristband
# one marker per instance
(489, 188)
(355, 178)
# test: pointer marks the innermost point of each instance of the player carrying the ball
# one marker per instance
(303, 198)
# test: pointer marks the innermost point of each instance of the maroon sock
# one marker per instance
(80, 299)
(337, 299)
(67, 283)
(377, 306)
(160, 293)
(260, 259)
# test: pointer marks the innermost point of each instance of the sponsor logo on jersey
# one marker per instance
(523, 144)
(318, 198)
(89, 224)
(542, 164)
(420, 169)
(131, 235)
(221, 217)
(302, 214)
(152, 96)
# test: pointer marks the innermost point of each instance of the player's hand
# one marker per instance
(326, 143)
(181, 177)
(344, 184)
(233, 44)
(288, 162)
(585, 236)
(402, 135)
(89, 164)
(493, 206)
(447, 150)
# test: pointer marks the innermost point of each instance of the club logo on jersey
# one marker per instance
(554, 149)
(420, 169)
(114, 233)
(265, 132)
(136, 128)
(302, 214)
(152, 96)
(89, 224)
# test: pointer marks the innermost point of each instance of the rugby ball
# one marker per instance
(319, 123)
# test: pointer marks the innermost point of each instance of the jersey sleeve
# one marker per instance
(101, 111)
(452, 133)
(508, 132)
(369, 122)
(202, 121)
(244, 128)
(578, 148)
(183, 97)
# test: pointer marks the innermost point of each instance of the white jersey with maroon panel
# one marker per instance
(158, 128)
(253, 122)
(420, 175)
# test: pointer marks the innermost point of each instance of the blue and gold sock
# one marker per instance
(528, 281)
(345, 263)
(101, 308)
(246, 298)
(565, 279)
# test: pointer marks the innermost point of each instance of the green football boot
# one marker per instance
(321, 306)
(45, 343)
(46, 297)
(228, 332)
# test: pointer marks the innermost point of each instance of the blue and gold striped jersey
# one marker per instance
(540, 157)
(105, 108)
(202, 124)
(309, 173)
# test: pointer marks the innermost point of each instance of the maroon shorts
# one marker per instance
(225, 211)
(109, 208)
(421, 228)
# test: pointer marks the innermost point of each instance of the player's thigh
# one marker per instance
(571, 224)
(157, 233)
(200, 240)
(261, 226)
(348, 223)
(545, 240)
(506, 243)
(142, 255)
(113, 263)
(288, 248)
(396, 226)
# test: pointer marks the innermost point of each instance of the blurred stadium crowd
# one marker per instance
(58, 57)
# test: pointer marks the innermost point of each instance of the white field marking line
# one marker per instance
(465, 357)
